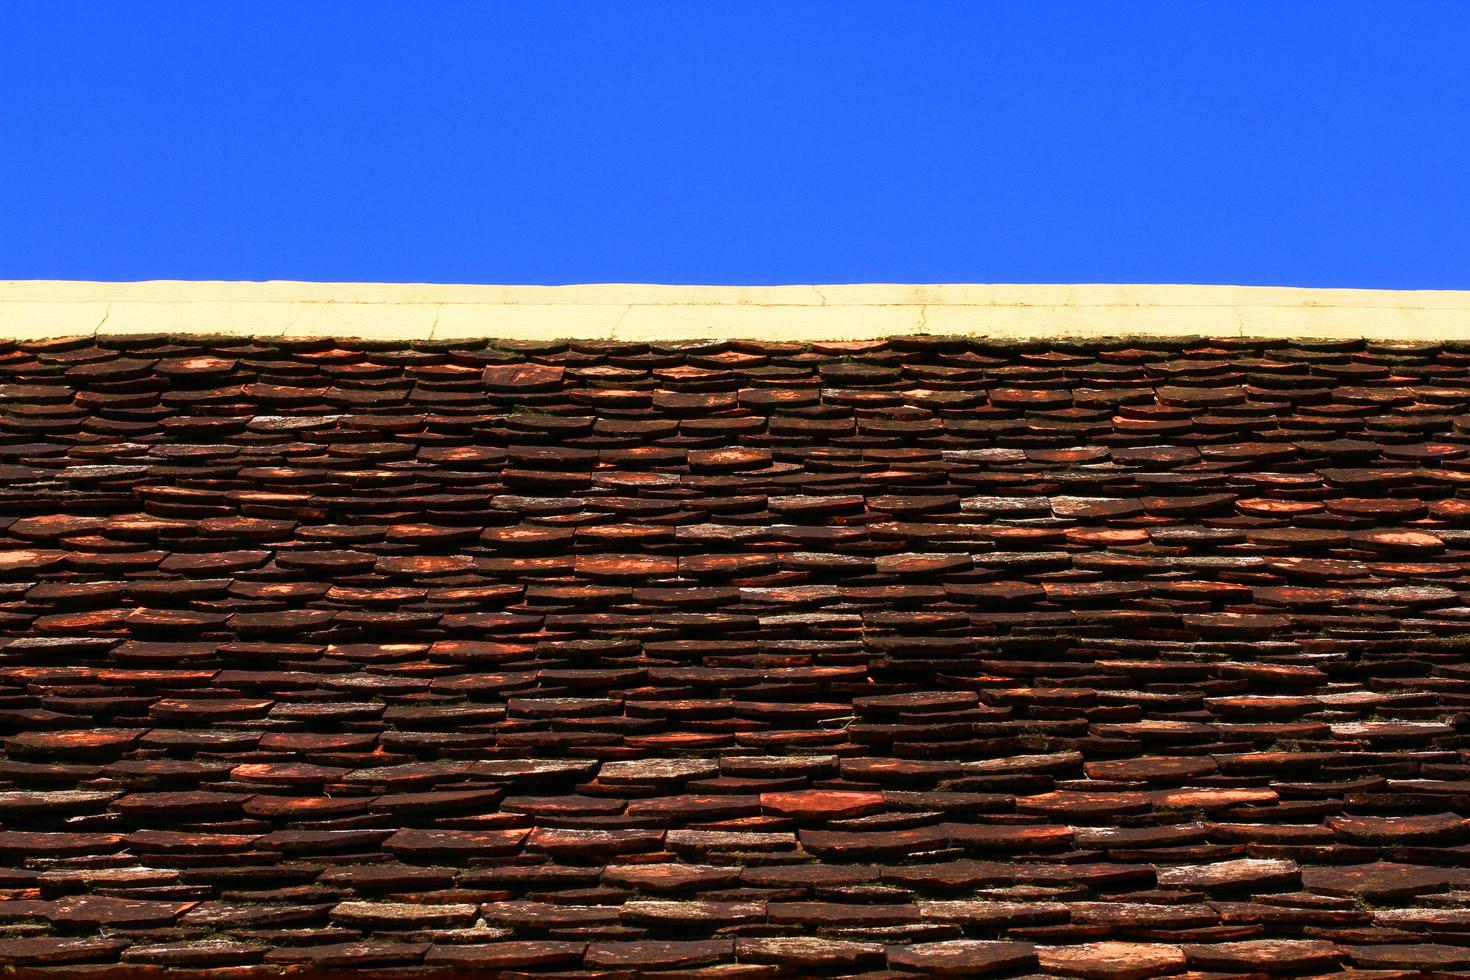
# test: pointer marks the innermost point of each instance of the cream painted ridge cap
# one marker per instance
(857, 294)
(36, 309)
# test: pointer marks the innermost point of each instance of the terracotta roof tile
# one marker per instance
(924, 657)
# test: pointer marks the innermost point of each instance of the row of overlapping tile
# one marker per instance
(735, 659)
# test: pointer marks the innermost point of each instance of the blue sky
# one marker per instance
(1297, 143)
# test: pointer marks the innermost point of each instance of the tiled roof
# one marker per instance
(735, 659)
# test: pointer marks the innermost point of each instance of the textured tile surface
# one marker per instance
(734, 659)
